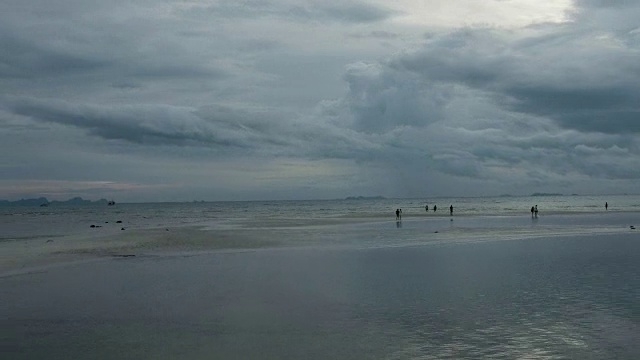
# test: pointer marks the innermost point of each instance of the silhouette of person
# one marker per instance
(606, 206)
(397, 214)
(536, 210)
(532, 210)
(426, 208)
(435, 208)
(400, 214)
(451, 210)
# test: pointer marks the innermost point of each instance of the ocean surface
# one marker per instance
(26, 222)
(346, 281)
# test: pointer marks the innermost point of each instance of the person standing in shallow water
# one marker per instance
(532, 210)
(426, 208)
(435, 208)
(606, 206)
(397, 214)
(451, 210)
(535, 210)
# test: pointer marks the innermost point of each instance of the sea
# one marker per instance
(339, 279)
(18, 222)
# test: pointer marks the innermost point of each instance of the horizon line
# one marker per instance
(354, 198)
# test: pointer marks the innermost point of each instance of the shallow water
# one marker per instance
(19, 222)
(571, 297)
(344, 281)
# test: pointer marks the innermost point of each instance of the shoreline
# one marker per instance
(25, 254)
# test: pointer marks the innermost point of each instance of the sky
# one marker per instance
(158, 100)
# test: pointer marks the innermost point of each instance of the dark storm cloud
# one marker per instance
(317, 11)
(379, 35)
(151, 125)
(382, 99)
(94, 43)
(221, 128)
(24, 59)
(605, 3)
(612, 122)
(546, 104)
(350, 12)
(585, 89)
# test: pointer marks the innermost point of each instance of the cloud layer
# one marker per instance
(284, 99)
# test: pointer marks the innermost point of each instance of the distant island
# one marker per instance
(365, 198)
(43, 201)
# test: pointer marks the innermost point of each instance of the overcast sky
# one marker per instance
(158, 100)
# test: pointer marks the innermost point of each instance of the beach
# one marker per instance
(33, 249)
(557, 287)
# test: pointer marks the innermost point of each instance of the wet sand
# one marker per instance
(567, 296)
(33, 254)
